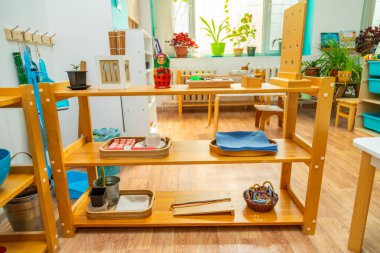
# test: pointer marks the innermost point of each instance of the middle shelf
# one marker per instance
(187, 152)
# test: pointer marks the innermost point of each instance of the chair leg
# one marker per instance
(216, 114)
(179, 99)
(337, 115)
(264, 117)
(257, 118)
(280, 119)
(351, 118)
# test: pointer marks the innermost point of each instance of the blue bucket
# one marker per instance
(5, 164)
(374, 68)
(372, 121)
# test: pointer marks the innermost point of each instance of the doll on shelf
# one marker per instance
(162, 74)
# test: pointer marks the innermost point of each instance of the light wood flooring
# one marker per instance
(334, 217)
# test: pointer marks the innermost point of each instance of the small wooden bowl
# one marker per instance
(215, 149)
(261, 208)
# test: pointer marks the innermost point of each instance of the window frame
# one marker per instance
(266, 27)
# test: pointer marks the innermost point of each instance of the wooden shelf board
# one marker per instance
(366, 131)
(147, 90)
(285, 213)
(13, 185)
(9, 100)
(372, 101)
(25, 246)
(187, 152)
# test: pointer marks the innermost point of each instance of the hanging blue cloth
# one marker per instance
(242, 140)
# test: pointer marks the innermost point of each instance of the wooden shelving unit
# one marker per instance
(369, 102)
(293, 148)
(22, 176)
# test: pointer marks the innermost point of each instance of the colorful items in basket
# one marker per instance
(372, 57)
(244, 140)
(261, 198)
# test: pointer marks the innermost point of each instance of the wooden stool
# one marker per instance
(351, 104)
(264, 112)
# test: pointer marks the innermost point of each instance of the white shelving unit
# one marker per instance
(139, 54)
(139, 51)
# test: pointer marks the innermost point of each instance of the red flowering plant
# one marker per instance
(182, 40)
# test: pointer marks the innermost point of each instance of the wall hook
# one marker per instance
(13, 30)
(35, 32)
(27, 30)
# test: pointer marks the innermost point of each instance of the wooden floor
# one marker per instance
(337, 198)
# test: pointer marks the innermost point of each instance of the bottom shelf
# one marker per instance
(285, 213)
(25, 246)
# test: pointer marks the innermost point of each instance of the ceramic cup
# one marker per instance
(152, 140)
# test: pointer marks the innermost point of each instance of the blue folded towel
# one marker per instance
(240, 140)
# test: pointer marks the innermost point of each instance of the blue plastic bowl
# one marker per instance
(5, 164)
(78, 183)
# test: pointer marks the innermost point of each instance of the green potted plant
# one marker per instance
(311, 68)
(111, 183)
(249, 31)
(237, 37)
(77, 77)
(350, 70)
(333, 59)
(214, 32)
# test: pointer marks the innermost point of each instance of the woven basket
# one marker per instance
(261, 207)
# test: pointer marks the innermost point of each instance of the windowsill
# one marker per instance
(225, 56)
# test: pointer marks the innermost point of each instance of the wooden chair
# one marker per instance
(265, 98)
(351, 104)
(264, 112)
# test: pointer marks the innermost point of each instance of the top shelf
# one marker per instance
(6, 101)
(149, 90)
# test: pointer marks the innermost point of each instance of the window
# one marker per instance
(376, 16)
(267, 17)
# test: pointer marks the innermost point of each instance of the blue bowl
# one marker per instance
(5, 164)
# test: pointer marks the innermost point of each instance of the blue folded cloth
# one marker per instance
(240, 140)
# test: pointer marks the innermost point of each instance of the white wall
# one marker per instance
(25, 14)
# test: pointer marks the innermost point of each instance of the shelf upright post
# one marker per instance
(318, 151)
(290, 120)
(39, 167)
(49, 109)
(85, 130)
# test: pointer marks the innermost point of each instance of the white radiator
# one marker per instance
(203, 99)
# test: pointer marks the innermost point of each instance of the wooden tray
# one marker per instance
(212, 83)
(215, 149)
(157, 153)
(111, 214)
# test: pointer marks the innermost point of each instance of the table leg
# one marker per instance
(209, 112)
(216, 114)
(362, 199)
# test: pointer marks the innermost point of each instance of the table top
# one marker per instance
(370, 145)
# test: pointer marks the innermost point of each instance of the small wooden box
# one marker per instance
(251, 82)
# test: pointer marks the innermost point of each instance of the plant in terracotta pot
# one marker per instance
(368, 40)
(181, 43)
(351, 70)
(215, 33)
(311, 68)
(237, 37)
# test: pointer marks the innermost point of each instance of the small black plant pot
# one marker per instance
(77, 78)
(251, 51)
(98, 196)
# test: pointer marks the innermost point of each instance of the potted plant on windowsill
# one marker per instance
(249, 31)
(368, 40)
(181, 43)
(214, 32)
